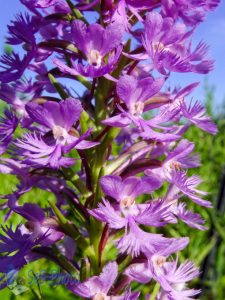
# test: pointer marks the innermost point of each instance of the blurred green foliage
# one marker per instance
(202, 243)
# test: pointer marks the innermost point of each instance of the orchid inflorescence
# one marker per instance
(109, 148)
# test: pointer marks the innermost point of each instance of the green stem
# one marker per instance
(109, 138)
(95, 232)
(114, 165)
(68, 228)
(68, 267)
(54, 43)
(155, 291)
(85, 121)
(79, 184)
(83, 270)
(57, 86)
(78, 15)
(83, 81)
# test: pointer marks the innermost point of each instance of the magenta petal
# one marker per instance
(55, 156)
(76, 142)
(84, 144)
(139, 272)
(65, 113)
(191, 219)
(137, 241)
(197, 115)
(97, 284)
(119, 120)
(97, 37)
(134, 186)
(132, 90)
(50, 114)
(154, 214)
(112, 186)
(107, 214)
(187, 185)
(30, 211)
(174, 245)
(108, 276)
(40, 114)
(148, 133)
(64, 68)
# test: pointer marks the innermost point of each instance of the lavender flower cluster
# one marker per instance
(114, 158)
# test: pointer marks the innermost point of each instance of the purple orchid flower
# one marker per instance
(22, 30)
(21, 244)
(193, 220)
(125, 192)
(14, 66)
(98, 287)
(128, 213)
(11, 94)
(37, 224)
(125, 7)
(29, 179)
(11, 166)
(11, 241)
(59, 118)
(135, 93)
(8, 126)
(177, 210)
(177, 277)
(152, 214)
(187, 186)
(196, 114)
(95, 42)
(191, 12)
(172, 278)
(32, 4)
(42, 3)
(137, 241)
(181, 157)
(51, 114)
(41, 71)
(165, 43)
(38, 153)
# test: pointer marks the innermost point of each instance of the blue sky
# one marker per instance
(211, 31)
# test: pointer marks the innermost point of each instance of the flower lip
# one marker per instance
(158, 46)
(30, 225)
(179, 286)
(94, 58)
(127, 202)
(172, 165)
(20, 111)
(100, 296)
(60, 134)
(137, 108)
(158, 261)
